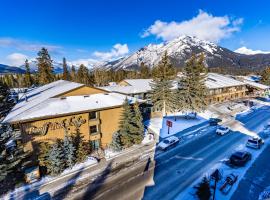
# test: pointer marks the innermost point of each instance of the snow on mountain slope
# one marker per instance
(180, 50)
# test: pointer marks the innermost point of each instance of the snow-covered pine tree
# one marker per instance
(56, 159)
(162, 93)
(82, 148)
(69, 151)
(66, 75)
(138, 134)
(10, 160)
(116, 144)
(126, 126)
(192, 91)
(27, 76)
(45, 67)
(5, 103)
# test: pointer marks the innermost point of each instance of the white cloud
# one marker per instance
(16, 59)
(26, 45)
(247, 51)
(204, 26)
(118, 50)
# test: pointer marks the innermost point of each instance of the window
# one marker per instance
(92, 115)
(93, 129)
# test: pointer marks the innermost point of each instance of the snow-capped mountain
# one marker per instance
(181, 49)
(10, 69)
(57, 66)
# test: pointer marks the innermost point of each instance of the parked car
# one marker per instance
(214, 121)
(239, 158)
(168, 142)
(255, 142)
(222, 130)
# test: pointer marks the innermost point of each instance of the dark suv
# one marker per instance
(239, 158)
(214, 121)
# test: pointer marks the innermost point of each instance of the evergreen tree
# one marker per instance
(45, 67)
(162, 94)
(81, 147)
(203, 190)
(73, 73)
(27, 77)
(69, 151)
(145, 71)
(126, 126)
(138, 133)
(83, 76)
(266, 76)
(116, 142)
(192, 93)
(56, 159)
(44, 152)
(66, 75)
(5, 103)
(11, 159)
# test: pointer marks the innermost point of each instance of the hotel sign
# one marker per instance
(62, 124)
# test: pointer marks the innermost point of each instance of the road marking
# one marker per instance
(188, 158)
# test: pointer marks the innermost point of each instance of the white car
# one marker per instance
(168, 142)
(222, 130)
(255, 142)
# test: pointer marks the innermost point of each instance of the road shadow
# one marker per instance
(94, 187)
(70, 183)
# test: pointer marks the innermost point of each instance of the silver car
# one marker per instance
(255, 142)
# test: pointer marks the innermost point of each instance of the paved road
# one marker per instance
(176, 169)
(171, 171)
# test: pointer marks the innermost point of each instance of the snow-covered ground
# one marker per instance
(110, 153)
(159, 127)
(262, 130)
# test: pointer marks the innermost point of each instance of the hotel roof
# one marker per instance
(135, 86)
(71, 105)
(38, 95)
(215, 81)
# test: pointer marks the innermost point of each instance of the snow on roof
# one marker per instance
(39, 95)
(73, 104)
(214, 81)
(135, 86)
(139, 83)
(256, 85)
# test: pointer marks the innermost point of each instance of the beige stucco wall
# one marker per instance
(85, 90)
(109, 124)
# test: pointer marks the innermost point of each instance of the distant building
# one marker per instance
(46, 112)
(224, 88)
(138, 88)
(254, 88)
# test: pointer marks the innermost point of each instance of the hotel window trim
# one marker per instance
(93, 115)
(93, 129)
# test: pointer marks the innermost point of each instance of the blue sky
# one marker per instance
(84, 30)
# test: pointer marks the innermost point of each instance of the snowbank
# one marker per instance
(159, 127)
